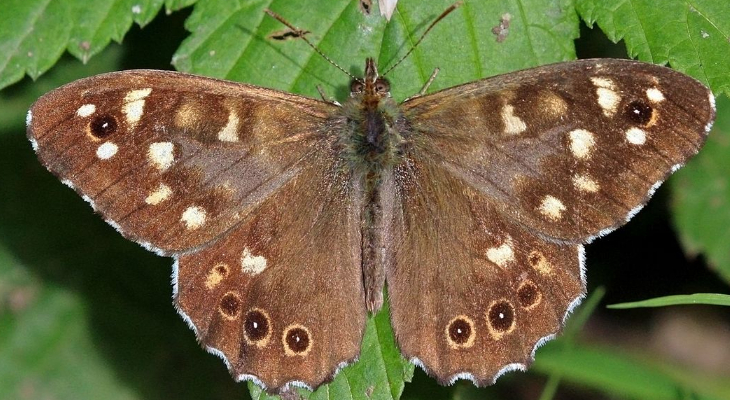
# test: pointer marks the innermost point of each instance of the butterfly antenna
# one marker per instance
(423, 35)
(300, 33)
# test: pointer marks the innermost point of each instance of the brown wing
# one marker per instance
(472, 293)
(504, 181)
(242, 185)
(281, 298)
(569, 150)
(173, 160)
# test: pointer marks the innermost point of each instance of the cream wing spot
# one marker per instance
(157, 196)
(161, 155)
(136, 95)
(86, 110)
(513, 124)
(552, 103)
(585, 183)
(636, 136)
(133, 107)
(708, 126)
(602, 82)
(654, 95)
(552, 208)
(229, 133)
(193, 217)
(251, 264)
(187, 115)
(107, 150)
(501, 255)
(582, 143)
(608, 98)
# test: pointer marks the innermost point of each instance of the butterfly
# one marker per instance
(287, 216)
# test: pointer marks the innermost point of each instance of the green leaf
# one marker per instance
(573, 326)
(624, 373)
(702, 197)
(231, 40)
(692, 36)
(174, 5)
(35, 33)
(45, 341)
(698, 298)
(628, 375)
(94, 27)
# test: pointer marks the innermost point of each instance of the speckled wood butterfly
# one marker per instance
(287, 215)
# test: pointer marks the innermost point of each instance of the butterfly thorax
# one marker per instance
(370, 139)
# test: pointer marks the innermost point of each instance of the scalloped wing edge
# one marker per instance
(521, 366)
(657, 184)
(216, 352)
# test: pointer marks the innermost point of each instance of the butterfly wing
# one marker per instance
(241, 185)
(504, 180)
(281, 298)
(569, 150)
(471, 291)
(173, 160)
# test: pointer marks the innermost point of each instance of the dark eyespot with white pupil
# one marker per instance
(639, 112)
(501, 316)
(297, 339)
(256, 325)
(460, 331)
(103, 126)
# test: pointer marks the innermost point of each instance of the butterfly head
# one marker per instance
(372, 85)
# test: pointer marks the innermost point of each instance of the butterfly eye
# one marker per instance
(382, 86)
(357, 86)
(103, 126)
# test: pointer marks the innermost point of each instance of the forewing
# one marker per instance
(173, 160)
(570, 150)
